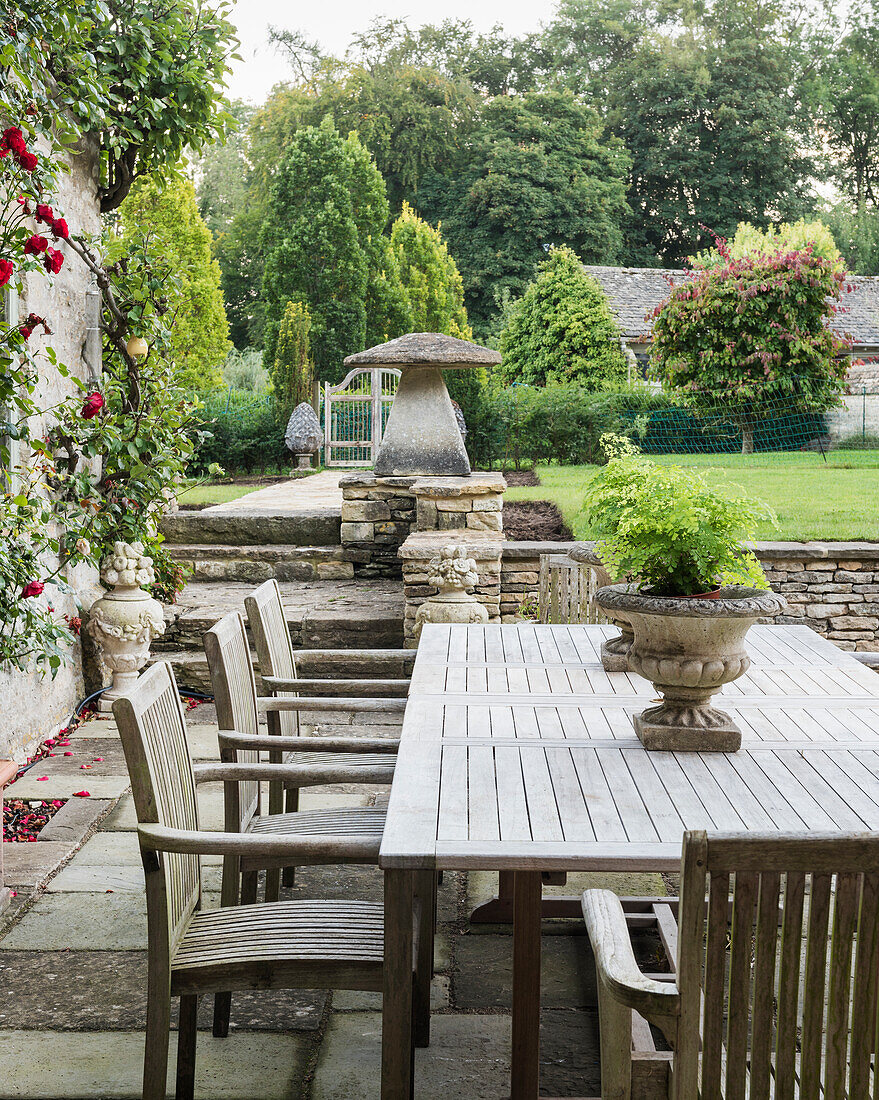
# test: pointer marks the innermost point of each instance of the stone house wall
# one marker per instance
(33, 706)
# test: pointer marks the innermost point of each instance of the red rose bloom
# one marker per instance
(27, 160)
(31, 323)
(34, 245)
(45, 213)
(32, 588)
(53, 261)
(59, 228)
(6, 270)
(93, 405)
(14, 139)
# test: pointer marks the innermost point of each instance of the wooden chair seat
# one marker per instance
(358, 821)
(265, 946)
(344, 760)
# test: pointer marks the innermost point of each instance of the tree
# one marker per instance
(751, 334)
(429, 276)
(539, 173)
(562, 329)
(857, 234)
(293, 372)
(323, 242)
(786, 237)
(851, 110)
(714, 105)
(168, 216)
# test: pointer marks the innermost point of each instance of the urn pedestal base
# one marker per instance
(671, 728)
(615, 651)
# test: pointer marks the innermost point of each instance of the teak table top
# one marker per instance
(518, 752)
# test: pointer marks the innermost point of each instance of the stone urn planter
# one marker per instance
(615, 650)
(452, 572)
(688, 648)
(124, 622)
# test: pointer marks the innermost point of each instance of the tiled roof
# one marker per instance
(633, 293)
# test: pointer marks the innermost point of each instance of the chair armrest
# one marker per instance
(615, 961)
(299, 775)
(273, 743)
(304, 849)
(336, 688)
(328, 704)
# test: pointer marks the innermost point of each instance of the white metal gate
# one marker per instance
(355, 414)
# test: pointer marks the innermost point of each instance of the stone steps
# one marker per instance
(255, 564)
(342, 614)
(312, 527)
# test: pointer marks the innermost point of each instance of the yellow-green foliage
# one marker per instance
(430, 277)
(293, 371)
(785, 237)
(167, 214)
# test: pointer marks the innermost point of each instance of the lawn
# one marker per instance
(202, 493)
(836, 501)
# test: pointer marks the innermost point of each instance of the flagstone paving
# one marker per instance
(73, 965)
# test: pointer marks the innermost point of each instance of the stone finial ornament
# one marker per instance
(452, 572)
(124, 622)
(422, 435)
(304, 435)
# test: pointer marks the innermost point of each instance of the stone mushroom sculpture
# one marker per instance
(422, 434)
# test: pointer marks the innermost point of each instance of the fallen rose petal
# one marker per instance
(42, 778)
(98, 759)
(68, 754)
(85, 767)
(81, 794)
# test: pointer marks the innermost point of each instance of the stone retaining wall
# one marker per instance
(833, 587)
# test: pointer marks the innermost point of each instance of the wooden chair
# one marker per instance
(775, 997)
(277, 666)
(293, 944)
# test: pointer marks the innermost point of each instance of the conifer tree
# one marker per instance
(430, 277)
(168, 215)
(293, 371)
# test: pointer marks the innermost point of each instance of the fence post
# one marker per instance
(328, 422)
(375, 407)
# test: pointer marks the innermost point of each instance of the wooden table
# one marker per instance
(518, 754)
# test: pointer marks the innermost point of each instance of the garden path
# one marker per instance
(73, 968)
(300, 494)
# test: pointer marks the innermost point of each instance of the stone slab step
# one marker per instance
(343, 614)
(318, 526)
(191, 667)
(255, 564)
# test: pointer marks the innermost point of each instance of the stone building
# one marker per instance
(31, 705)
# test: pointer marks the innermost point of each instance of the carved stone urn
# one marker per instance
(452, 572)
(124, 622)
(614, 650)
(688, 648)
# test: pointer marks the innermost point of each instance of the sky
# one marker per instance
(332, 22)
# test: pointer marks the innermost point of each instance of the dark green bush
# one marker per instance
(246, 436)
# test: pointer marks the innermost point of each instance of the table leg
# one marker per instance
(525, 1062)
(397, 1048)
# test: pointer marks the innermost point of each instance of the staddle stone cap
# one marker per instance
(427, 348)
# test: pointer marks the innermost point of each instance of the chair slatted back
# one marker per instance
(153, 732)
(782, 996)
(235, 696)
(274, 650)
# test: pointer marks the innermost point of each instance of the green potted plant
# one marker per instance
(699, 590)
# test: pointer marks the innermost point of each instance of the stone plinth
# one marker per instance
(416, 553)
(379, 513)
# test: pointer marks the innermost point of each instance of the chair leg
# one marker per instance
(222, 1012)
(615, 1026)
(425, 898)
(288, 876)
(249, 887)
(155, 1061)
(273, 884)
(186, 1040)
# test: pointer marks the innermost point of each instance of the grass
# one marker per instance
(834, 501)
(213, 494)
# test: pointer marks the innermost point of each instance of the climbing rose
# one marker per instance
(53, 261)
(35, 244)
(44, 213)
(31, 323)
(27, 160)
(13, 140)
(5, 272)
(93, 405)
(59, 228)
(32, 588)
